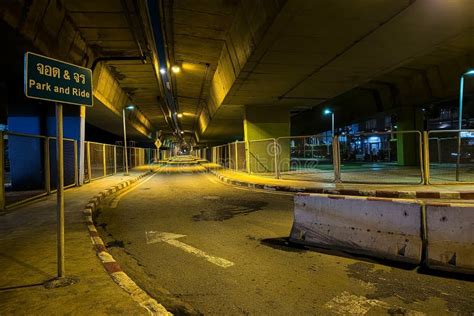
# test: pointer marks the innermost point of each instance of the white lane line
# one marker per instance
(171, 239)
(114, 202)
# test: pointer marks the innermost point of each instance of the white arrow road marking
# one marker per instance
(115, 201)
(170, 238)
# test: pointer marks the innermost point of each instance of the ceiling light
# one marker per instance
(180, 115)
(175, 69)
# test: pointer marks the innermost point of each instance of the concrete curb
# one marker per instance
(108, 261)
(466, 195)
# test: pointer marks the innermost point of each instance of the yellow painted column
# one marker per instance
(408, 150)
(262, 124)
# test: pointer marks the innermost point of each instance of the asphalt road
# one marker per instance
(234, 260)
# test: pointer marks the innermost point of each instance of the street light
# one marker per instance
(131, 108)
(461, 95)
(327, 112)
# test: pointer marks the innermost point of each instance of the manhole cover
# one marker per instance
(211, 197)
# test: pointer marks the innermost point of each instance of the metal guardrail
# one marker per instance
(32, 172)
(261, 157)
(391, 157)
(450, 156)
(305, 158)
(386, 157)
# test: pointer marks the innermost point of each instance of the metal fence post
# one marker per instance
(276, 154)
(2, 171)
(336, 159)
(438, 143)
(47, 168)
(247, 157)
(104, 157)
(228, 156)
(89, 164)
(133, 158)
(458, 156)
(115, 159)
(76, 166)
(137, 157)
(426, 158)
(236, 164)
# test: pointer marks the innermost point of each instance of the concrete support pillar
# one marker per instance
(261, 124)
(408, 151)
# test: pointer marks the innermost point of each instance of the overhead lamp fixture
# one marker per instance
(180, 115)
(469, 73)
(182, 132)
(162, 71)
(175, 69)
(130, 107)
(327, 112)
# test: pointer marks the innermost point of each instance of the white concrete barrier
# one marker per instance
(450, 232)
(379, 227)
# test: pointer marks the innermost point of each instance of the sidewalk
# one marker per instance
(453, 191)
(28, 258)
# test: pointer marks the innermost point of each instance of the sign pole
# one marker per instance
(61, 82)
(60, 189)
